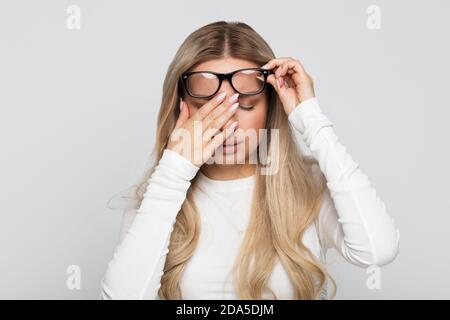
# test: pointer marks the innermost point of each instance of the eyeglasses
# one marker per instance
(205, 84)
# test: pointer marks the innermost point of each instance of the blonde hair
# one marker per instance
(284, 204)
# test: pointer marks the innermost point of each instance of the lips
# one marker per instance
(232, 144)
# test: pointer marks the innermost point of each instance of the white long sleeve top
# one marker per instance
(353, 220)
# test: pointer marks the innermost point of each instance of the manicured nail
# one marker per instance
(233, 98)
(233, 125)
(277, 73)
(234, 107)
(221, 96)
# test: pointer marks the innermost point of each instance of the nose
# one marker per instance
(226, 86)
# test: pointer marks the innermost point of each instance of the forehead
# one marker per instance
(224, 65)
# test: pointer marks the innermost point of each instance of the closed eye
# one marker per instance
(247, 108)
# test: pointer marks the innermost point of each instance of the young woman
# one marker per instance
(202, 229)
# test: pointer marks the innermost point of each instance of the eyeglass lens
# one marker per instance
(244, 82)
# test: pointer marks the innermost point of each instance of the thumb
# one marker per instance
(273, 81)
(184, 114)
(281, 92)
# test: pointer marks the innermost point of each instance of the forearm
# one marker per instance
(356, 221)
(137, 265)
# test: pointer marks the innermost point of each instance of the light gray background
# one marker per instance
(78, 114)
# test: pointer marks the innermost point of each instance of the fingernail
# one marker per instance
(277, 73)
(234, 107)
(264, 66)
(233, 125)
(233, 98)
(279, 81)
(181, 104)
(221, 96)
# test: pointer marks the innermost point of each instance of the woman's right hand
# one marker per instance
(197, 137)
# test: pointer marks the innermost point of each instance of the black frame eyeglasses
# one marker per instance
(221, 77)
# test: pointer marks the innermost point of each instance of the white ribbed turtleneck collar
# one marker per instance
(225, 185)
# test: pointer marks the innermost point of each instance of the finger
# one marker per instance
(278, 83)
(226, 125)
(300, 64)
(208, 107)
(288, 65)
(277, 62)
(273, 63)
(273, 81)
(270, 63)
(218, 123)
(184, 114)
(220, 110)
(293, 69)
(285, 78)
(219, 139)
(299, 68)
(230, 121)
(282, 69)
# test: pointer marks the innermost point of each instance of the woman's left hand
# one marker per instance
(300, 85)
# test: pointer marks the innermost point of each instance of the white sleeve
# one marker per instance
(353, 218)
(137, 265)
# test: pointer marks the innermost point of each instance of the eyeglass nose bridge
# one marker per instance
(226, 76)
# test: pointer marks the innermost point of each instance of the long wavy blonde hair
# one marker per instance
(284, 204)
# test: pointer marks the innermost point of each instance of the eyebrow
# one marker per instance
(224, 72)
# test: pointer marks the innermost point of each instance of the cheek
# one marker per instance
(192, 110)
(193, 106)
(255, 119)
(251, 122)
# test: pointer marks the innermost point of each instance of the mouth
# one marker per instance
(231, 144)
(230, 148)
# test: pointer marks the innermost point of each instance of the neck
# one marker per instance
(228, 172)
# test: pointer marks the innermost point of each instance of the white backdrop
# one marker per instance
(78, 115)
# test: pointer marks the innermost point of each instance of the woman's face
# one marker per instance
(251, 114)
